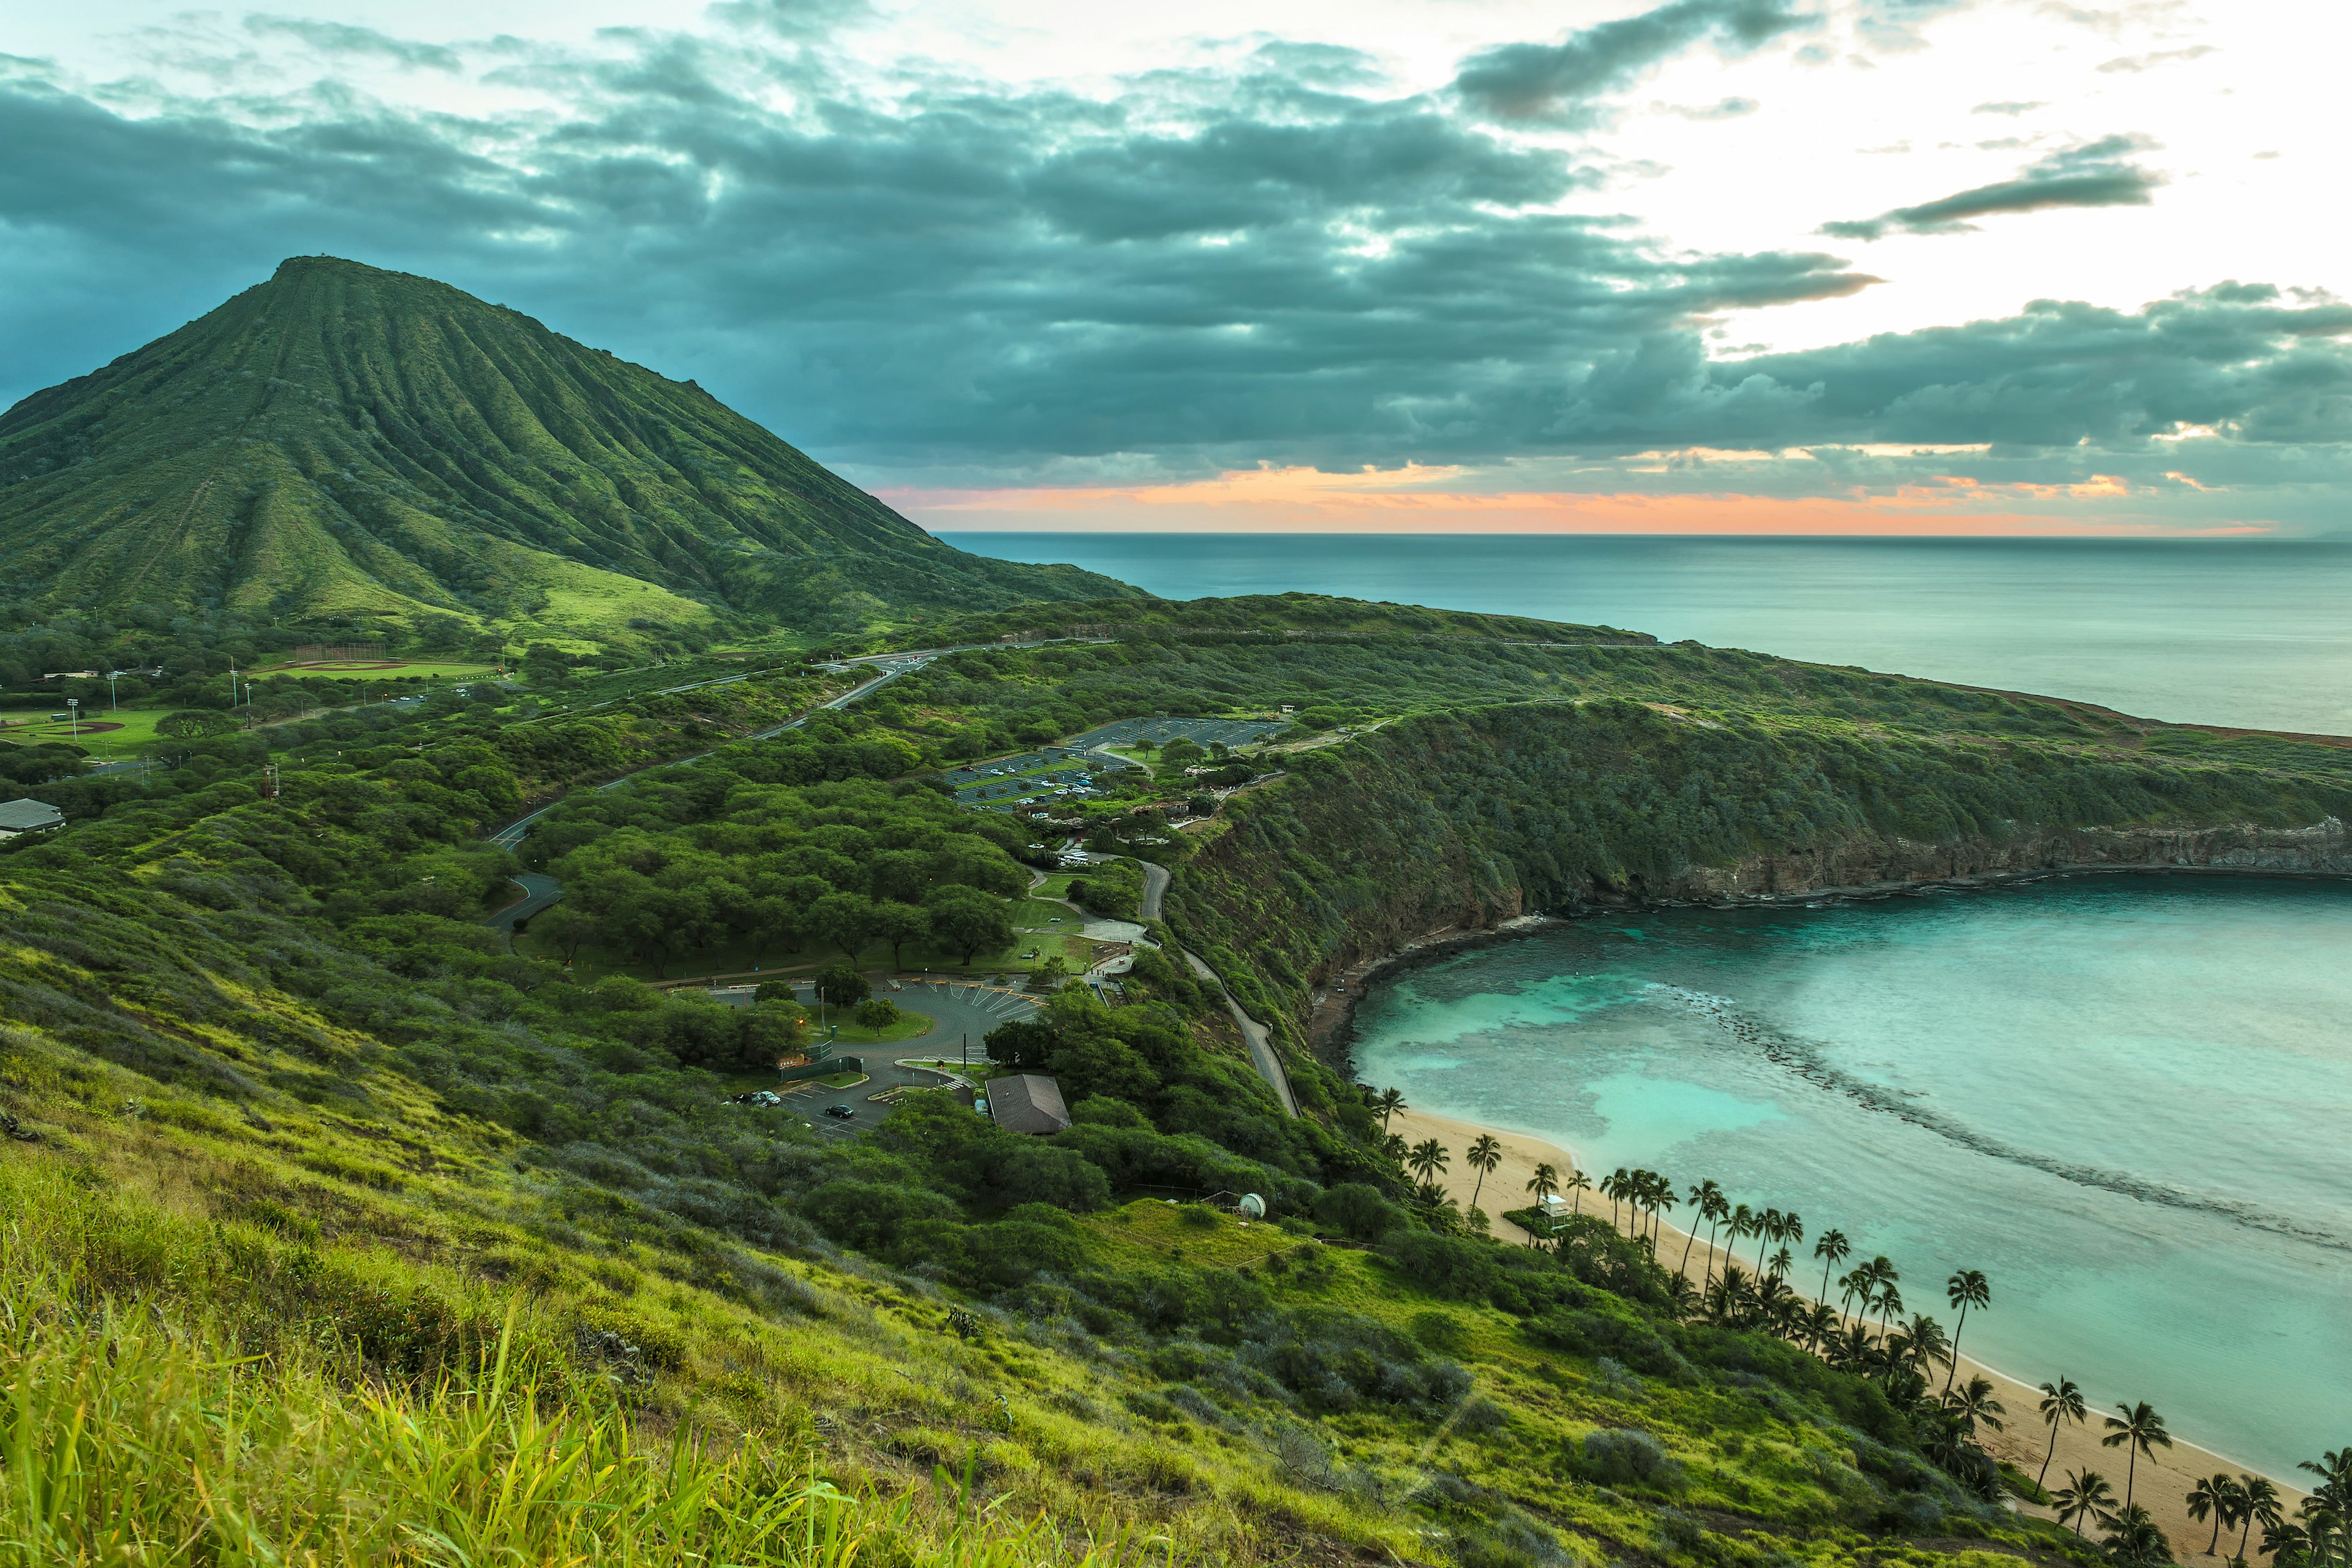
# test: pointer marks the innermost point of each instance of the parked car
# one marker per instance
(843, 1112)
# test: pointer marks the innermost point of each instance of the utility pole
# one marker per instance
(269, 780)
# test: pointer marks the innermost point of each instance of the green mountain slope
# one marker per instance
(342, 444)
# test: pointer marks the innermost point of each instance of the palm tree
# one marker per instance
(1394, 1148)
(1928, 1344)
(1875, 1283)
(1616, 1187)
(1975, 1405)
(2283, 1542)
(1389, 1102)
(1728, 1297)
(1428, 1158)
(1483, 1156)
(2141, 1431)
(1780, 1264)
(1541, 1188)
(1832, 1247)
(1544, 1184)
(1576, 1184)
(1868, 1279)
(1702, 1197)
(1716, 1208)
(1820, 1325)
(1768, 1225)
(2326, 1514)
(1635, 1191)
(2258, 1503)
(2085, 1495)
(2213, 1498)
(1737, 1226)
(2061, 1401)
(1662, 1203)
(1792, 1227)
(1964, 1290)
(2133, 1537)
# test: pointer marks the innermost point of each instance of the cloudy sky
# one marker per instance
(1778, 266)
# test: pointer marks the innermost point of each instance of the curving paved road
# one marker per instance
(1155, 887)
(539, 892)
(1262, 1056)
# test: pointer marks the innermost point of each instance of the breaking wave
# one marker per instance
(1810, 1062)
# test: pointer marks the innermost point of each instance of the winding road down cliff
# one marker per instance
(1262, 1056)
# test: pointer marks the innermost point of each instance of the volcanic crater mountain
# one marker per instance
(347, 445)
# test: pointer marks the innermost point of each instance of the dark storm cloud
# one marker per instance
(1226, 262)
(2095, 175)
(1215, 267)
(2241, 359)
(1560, 82)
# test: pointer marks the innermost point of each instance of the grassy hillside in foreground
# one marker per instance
(311, 1148)
(346, 445)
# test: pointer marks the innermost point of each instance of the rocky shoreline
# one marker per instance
(1331, 1019)
(1873, 869)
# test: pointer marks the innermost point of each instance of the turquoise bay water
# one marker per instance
(2204, 631)
(2127, 1099)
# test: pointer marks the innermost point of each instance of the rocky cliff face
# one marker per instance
(1874, 864)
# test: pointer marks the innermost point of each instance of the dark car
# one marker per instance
(843, 1112)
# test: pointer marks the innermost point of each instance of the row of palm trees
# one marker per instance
(2318, 1536)
(1905, 1351)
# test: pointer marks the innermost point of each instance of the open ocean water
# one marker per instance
(2128, 1099)
(2125, 1098)
(2239, 632)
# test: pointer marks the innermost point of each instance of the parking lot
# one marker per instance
(1009, 781)
(1072, 768)
(961, 1012)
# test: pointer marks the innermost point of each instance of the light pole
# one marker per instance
(73, 716)
(112, 705)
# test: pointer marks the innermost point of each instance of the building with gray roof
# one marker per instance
(27, 816)
(1027, 1102)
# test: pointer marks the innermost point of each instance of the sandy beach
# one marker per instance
(2163, 1481)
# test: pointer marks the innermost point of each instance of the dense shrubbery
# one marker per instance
(322, 950)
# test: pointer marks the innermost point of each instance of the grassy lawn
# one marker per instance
(138, 727)
(1034, 911)
(911, 1027)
